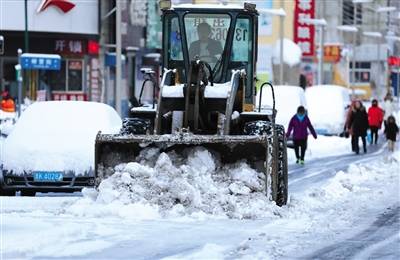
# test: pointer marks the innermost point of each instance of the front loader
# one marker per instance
(206, 98)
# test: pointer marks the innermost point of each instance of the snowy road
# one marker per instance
(337, 211)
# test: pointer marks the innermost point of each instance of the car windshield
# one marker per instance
(206, 36)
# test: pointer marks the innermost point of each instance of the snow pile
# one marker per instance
(58, 136)
(180, 185)
(291, 53)
(330, 212)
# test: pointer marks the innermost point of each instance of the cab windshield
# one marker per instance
(206, 36)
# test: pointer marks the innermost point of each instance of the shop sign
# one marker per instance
(138, 11)
(76, 47)
(332, 53)
(394, 61)
(30, 61)
(75, 65)
(63, 5)
(304, 33)
(63, 95)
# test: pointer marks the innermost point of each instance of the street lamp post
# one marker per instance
(19, 80)
(382, 9)
(118, 67)
(321, 24)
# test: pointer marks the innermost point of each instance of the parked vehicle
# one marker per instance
(327, 107)
(51, 147)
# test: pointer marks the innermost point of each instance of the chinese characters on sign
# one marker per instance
(31, 61)
(69, 47)
(304, 33)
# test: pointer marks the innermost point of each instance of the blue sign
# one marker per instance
(36, 61)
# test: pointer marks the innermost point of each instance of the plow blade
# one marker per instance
(112, 150)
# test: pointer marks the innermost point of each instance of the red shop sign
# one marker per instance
(69, 95)
(394, 61)
(304, 33)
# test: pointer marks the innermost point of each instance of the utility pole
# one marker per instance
(118, 59)
(19, 79)
(321, 55)
(353, 71)
(281, 33)
(26, 36)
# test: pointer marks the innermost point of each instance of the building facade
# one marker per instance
(363, 55)
(72, 33)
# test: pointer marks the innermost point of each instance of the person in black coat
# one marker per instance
(359, 126)
(391, 130)
(206, 48)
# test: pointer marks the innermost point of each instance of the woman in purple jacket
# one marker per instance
(299, 124)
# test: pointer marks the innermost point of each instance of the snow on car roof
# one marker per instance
(58, 136)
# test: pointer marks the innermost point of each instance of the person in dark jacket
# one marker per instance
(206, 48)
(375, 119)
(359, 125)
(299, 124)
(391, 130)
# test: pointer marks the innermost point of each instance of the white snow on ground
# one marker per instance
(318, 216)
(323, 146)
(58, 136)
(181, 202)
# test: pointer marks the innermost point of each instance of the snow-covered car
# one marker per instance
(327, 108)
(51, 147)
(287, 100)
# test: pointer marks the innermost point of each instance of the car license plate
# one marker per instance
(47, 176)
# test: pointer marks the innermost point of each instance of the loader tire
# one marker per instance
(282, 171)
(279, 166)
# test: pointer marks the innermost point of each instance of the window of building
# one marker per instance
(362, 72)
(348, 13)
(68, 78)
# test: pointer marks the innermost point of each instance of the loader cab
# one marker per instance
(224, 36)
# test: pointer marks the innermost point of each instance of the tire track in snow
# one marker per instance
(322, 169)
(383, 233)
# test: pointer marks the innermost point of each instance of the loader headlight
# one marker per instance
(165, 4)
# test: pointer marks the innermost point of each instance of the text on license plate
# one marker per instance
(47, 176)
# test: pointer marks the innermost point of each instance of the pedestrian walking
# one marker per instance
(391, 131)
(347, 127)
(7, 103)
(359, 126)
(375, 119)
(299, 123)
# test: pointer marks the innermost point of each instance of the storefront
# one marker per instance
(53, 31)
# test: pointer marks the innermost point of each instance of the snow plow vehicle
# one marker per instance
(206, 98)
